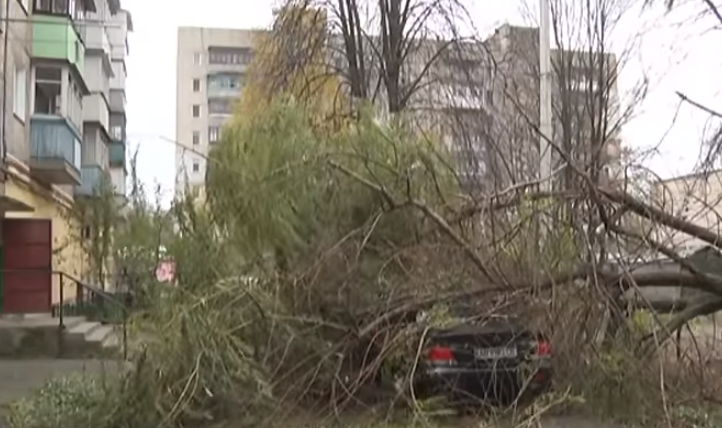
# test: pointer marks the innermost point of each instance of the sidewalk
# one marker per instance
(19, 377)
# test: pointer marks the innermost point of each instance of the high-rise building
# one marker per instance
(211, 66)
(482, 98)
(59, 67)
(585, 108)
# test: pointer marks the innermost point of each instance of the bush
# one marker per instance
(79, 401)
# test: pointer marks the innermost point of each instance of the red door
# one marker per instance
(27, 265)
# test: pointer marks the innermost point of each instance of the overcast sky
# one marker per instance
(674, 57)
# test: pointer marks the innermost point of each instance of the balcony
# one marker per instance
(95, 37)
(93, 178)
(117, 178)
(54, 150)
(117, 153)
(226, 85)
(120, 74)
(95, 109)
(54, 37)
(117, 101)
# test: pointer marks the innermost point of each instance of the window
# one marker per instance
(20, 98)
(197, 58)
(48, 83)
(196, 138)
(196, 110)
(196, 85)
(214, 134)
(196, 166)
(74, 102)
(226, 82)
(73, 8)
(116, 132)
(229, 55)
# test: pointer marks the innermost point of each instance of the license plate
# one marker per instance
(494, 353)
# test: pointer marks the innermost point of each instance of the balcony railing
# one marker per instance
(54, 150)
(92, 178)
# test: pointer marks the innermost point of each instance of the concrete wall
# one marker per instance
(20, 34)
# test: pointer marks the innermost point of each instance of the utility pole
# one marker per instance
(545, 97)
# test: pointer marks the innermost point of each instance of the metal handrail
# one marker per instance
(80, 287)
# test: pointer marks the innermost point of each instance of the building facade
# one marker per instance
(696, 198)
(56, 135)
(211, 66)
(465, 97)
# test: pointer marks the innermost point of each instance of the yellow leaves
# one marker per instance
(291, 62)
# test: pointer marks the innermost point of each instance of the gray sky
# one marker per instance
(676, 58)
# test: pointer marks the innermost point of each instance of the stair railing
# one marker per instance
(112, 308)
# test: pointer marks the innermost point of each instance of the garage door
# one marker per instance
(27, 265)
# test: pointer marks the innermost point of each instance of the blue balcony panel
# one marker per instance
(54, 150)
(92, 178)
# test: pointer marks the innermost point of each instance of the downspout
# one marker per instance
(3, 138)
(3, 145)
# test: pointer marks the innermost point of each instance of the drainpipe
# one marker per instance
(3, 137)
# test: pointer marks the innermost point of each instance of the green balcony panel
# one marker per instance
(54, 150)
(92, 178)
(117, 153)
(54, 37)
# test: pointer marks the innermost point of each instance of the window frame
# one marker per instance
(196, 110)
(20, 94)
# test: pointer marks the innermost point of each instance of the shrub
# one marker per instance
(78, 400)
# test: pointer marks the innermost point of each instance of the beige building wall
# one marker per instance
(695, 197)
(193, 65)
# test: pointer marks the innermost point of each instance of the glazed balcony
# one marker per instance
(55, 150)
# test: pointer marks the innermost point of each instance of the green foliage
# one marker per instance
(80, 401)
(279, 188)
(699, 417)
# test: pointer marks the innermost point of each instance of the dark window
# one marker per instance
(196, 85)
(229, 55)
(72, 8)
(196, 166)
(48, 84)
(196, 111)
(196, 138)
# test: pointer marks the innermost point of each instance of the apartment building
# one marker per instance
(481, 97)
(57, 139)
(211, 66)
(105, 34)
(585, 109)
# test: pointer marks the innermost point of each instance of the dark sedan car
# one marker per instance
(493, 362)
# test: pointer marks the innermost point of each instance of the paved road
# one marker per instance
(20, 377)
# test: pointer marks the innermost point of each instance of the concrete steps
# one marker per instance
(37, 336)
